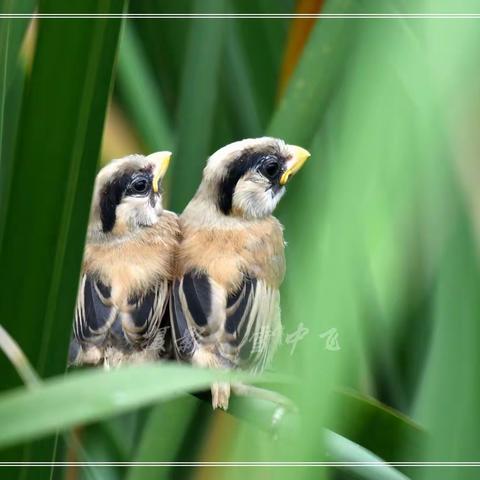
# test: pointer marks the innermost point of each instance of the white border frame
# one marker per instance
(358, 16)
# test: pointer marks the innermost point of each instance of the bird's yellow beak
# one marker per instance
(299, 157)
(162, 160)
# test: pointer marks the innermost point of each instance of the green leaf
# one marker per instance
(448, 399)
(239, 88)
(264, 42)
(12, 31)
(358, 423)
(52, 180)
(91, 395)
(11, 87)
(164, 44)
(50, 186)
(448, 394)
(175, 417)
(376, 427)
(318, 73)
(200, 79)
(341, 449)
(141, 94)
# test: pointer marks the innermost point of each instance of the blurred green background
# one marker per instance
(380, 304)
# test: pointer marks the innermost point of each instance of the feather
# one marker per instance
(141, 324)
(248, 332)
(94, 314)
(99, 323)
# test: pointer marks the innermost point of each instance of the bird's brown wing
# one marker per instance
(253, 327)
(142, 323)
(94, 315)
(136, 327)
(190, 309)
(243, 327)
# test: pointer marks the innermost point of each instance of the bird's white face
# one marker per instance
(247, 179)
(255, 196)
(137, 209)
(128, 194)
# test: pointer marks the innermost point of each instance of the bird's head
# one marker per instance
(248, 178)
(128, 193)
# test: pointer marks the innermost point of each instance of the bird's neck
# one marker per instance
(203, 213)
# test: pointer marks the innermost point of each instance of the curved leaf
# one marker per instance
(91, 395)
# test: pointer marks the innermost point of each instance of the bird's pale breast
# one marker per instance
(226, 255)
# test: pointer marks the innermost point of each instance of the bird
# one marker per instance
(225, 305)
(127, 267)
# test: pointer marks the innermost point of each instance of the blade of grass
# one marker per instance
(376, 427)
(239, 88)
(164, 433)
(31, 380)
(264, 41)
(341, 449)
(452, 364)
(200, 81)
(17, 358)
(298, 34)
(141, 94)
(315, 78)
(95, 394)
(164, 43)
(56, 158)
(12, 32)
(363, 420)
(51, 183)
(448, 395)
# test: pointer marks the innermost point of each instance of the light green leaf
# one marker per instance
(92, 395)
(318, 73)
(200, 80)
(141, 94)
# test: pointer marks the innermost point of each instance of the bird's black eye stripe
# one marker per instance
(137, 183)
(235, 171)
(268, 164)
(263, 162)
(110, 197)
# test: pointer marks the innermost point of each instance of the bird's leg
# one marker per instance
(204, 357)
(220, 395)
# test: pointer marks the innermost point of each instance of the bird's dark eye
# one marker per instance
(271, 168)
(139, 186)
